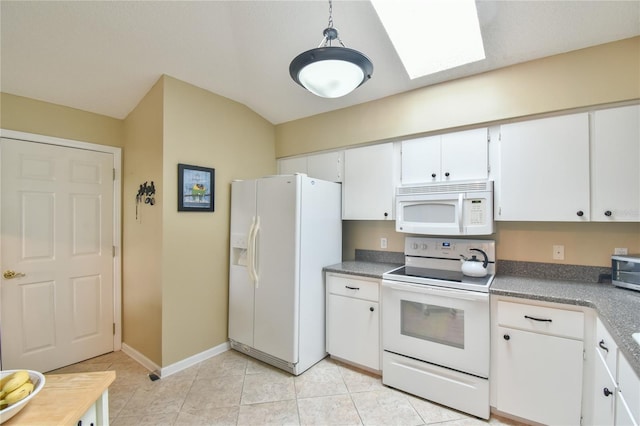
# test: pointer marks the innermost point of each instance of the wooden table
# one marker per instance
(67, 398)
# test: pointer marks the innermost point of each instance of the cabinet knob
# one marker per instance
(506, 337)
(371, 309)
(447, 174)
(386, 214)
(433, 175)
(607, 213)
(606, 392)
(580, 213)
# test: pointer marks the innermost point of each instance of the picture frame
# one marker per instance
(196, 188)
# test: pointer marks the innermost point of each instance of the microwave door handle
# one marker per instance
(460, 212)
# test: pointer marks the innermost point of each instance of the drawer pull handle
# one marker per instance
(602, 345)
(606, 392)
(506, 337)
(352, 288)
(537, 319)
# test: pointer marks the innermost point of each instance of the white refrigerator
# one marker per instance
(284, 229)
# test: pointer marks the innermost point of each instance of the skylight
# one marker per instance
(432, 35)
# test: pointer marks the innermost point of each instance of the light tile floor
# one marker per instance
(234, 389)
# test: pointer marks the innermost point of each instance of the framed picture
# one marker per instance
(195, 188)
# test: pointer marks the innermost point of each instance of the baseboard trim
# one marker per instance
(193, 360)
(138, 357)
(163, 372)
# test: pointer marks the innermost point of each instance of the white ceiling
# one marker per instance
(103, 56)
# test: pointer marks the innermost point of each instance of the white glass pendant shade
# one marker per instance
(331, 78)
(331, 72)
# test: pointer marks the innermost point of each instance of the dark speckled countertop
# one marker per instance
(369, 263)
(617, 308)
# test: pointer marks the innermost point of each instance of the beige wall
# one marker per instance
(203, 129)
(142, 230)
(603, 74)
(593, 76)
(585, 243)
(43, 118)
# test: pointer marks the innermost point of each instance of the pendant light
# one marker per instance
(330, 71)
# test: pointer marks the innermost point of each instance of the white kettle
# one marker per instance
(474, 267)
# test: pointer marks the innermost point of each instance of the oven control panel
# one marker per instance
(448, 248)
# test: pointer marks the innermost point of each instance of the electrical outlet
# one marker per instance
(620, 250)
(558, 252)
(383, 242)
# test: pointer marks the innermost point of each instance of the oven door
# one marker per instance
(446, 327)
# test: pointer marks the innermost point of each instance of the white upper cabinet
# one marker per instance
(544, 170)
(326, 165)
(448, 157)
(370, 179)
(289, 166)
(615, 195)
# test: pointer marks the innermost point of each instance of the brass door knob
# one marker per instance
(9, 274)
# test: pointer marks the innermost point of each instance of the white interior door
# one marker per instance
(57, 236)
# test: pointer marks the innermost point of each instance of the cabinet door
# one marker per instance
(326, 166)
(539, 377)
(420, 160)
(544, 170)
(615, 170)
(604, 392)
(629, 385)
(368, 189)
(465, 155)
(353, 330)
(623, 413)
(289, 166)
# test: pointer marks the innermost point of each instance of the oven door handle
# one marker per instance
(439, 291)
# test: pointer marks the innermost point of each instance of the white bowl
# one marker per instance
(38, 382)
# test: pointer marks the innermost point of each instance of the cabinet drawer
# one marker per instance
(541, 319)
(606, 347)
(353, 287)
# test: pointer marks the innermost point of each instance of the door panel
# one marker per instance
(241, 288)
(57, 230)
(276, 295)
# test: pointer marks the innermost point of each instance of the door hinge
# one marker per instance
(114, 174)
(584, 354)
(113, 251)
(114, 328)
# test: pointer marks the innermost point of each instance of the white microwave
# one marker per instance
(460, 208)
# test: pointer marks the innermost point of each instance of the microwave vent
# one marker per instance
(445, 188)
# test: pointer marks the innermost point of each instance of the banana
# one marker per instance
(18, 394)
(14, 381)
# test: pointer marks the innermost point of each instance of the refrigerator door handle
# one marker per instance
(250, 250)
(254, 252)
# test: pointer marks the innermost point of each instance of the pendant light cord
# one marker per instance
(330, 33)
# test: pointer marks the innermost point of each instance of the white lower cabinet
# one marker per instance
(628, 398)
(353, 319)
(539, 363)
(604, 393)
(605, 388)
